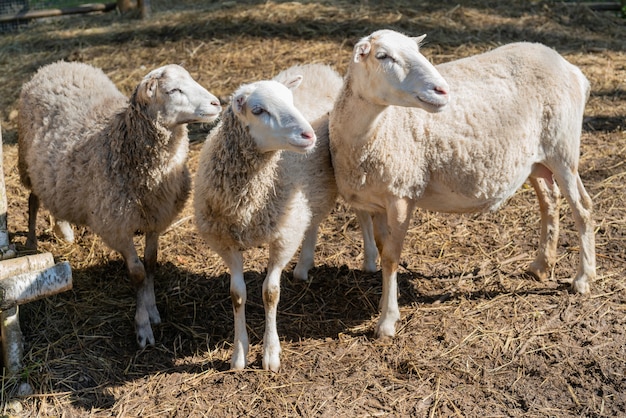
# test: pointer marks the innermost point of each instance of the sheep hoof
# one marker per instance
(271, 353)
(386, 329)
(64, 230)
(238, 361)
(301, 272)
(145, 336)
(539, 271)
(369, 266)
(271, 362)
(581, 285)
(236, 366)
(31, 244)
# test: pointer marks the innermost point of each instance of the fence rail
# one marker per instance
(13, 11)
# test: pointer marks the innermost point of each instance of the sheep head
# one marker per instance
(170, 94)
(388, 69)
(267, 111)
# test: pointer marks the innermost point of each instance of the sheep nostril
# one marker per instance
(308, 135)
(440, 90)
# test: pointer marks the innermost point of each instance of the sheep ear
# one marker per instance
(151, 87)
(361, 50)
(294, 82)
(142, 93)
(239, 102)
(419, 39)
(146, 90)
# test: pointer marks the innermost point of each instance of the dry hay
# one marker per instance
(478, 337)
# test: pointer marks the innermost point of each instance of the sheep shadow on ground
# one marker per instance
(89, 330)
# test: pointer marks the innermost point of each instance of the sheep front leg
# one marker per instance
(391, 239)
(147, 312)
(238, 296)
(580, 203)
(271, 296)
(280, 252)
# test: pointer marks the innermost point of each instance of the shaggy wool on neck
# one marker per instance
(143, 149)
(243, 194)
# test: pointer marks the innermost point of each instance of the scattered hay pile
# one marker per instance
(478, 337)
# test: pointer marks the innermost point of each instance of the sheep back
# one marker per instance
(60, 100)
(319, 89)
(509, 108)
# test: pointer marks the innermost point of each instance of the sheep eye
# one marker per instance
(257, 111)
(172, 91)
(383, 56)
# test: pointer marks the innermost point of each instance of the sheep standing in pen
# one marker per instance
(265, 176)
(400, 139)
(315, 100)
(93, 157)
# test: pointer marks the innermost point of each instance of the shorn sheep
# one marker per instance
(401, 138)
(265, 176)
(93, 157)
(315, 100)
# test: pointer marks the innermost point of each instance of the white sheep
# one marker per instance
(265, 176)
(399, 140)
(315, 100)
(93, 157)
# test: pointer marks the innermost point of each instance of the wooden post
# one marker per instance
(6, 251)
(22, 279)
(26, 286)
(24, 264)
(12, 340)
(36, 14)
(33, 285)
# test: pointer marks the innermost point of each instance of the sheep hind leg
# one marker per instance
(581, 205)
(548, 196)
(150, 262)
(306, 261)
(137, 275)
(63, 229)
(33, 208)
(370, 251)
(238, 297)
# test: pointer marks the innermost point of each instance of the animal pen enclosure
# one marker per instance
(13, 12)
(478, 337)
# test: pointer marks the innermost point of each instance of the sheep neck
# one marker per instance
(245, 175)
(144, 148)
(354, 116)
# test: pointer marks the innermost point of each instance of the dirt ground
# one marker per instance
(478, 336)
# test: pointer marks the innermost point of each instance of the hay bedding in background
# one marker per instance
(477, 338)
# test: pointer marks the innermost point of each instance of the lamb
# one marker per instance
(265, 176)
(400, 140)
(93, 157)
